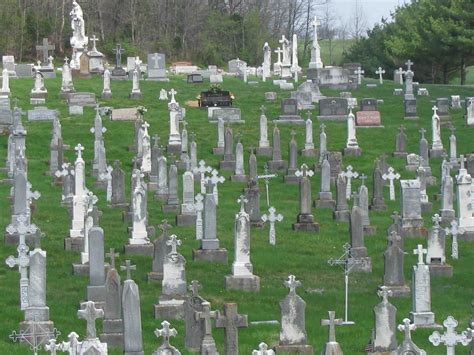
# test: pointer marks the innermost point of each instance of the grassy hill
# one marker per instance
(302, 254)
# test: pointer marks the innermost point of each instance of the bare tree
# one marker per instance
(359, 24)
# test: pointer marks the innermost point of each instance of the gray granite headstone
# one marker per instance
(333, 109)
(394, 278)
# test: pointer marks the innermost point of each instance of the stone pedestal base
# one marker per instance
(370, 230)
(360, 264)
(168, 311)
(112, 333)
(467, 235)
(228, 165)
(342, 216)
(309, 152)
(106, 95)
(305, 222)
(443, 270)
(75, 244)
(139, 249)
(276, 165)
(400, 154)
(135, 95)
(152, 186)
(264, 151)
(291, 179)
(186, 220)
(324, 204)
(411, 118)
(239, 178)
(133, 353)
(352, 152)
(293, 349)
(80, 269)
(154, 276)
(211, 255)
(244, 283)
(331, 348)
(173, 149)
(426, 207)
(414, 232)
(218, 151)
(424, 320)
(170, 208)
(399, 291)
(436, 153)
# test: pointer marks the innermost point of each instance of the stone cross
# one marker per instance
(79, 149)
(380, 72)
(202, 169)
(242, 200)
(107, 176)
(349, 175)
(420, 251)
(263, 350)
(231, 321)
(128, 267)
(304, 171)
(172, 92)
(359, 73)
(272, 217)
(292, 283)
(436, 220)
(94, 39)
(45, 48)
(52, 347)
(450, 338)
(263, 109)
(422, 132)
(435, 110)
(215, 178)
(266, 177)
(72, 345)
(166, 332)
(207, 315)
(112, 255)
(279, 52)
(455, 230)
(173, 242)
(384, 292)
(118, 51)
(406, 327)
(391, 176)
(194, 287)
(90, 314)
(165, 227)
(409, 63)
(331, 322)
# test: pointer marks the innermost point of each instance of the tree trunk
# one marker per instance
(463, 71)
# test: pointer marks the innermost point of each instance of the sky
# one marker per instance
(373, 9)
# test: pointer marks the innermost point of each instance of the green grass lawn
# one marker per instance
(302, 254)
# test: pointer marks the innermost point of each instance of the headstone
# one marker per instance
(227, 114)
(341, 213)
(293, 327)
(410, 109)
(205, 317)
(156, 68)
(410, 203)
(289, 112)
(231, 321)
(421, 314)
(92, 344)
(464, 201)
(401, 143)
(308, 150)
(291, 178)
(332, 347)
(172, 201)
(118, 186)
(333, 109)
(305, 219)
(352, 146)
(391, 176)
(242, 277)
(436, 256)
(437, 149)
(325, 199)
(358, 253)
(166, 332)
(42, 114)
(210, 245)
(263, 350)
(194, 332)
(450, 338)
(173, 285)
(239, 173)
(408, 346)
(394, 278)
(277, 163)
(96, 288)
(132, 320)
(84, 99)
(442, 103)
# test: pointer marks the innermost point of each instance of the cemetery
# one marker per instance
(254, 208)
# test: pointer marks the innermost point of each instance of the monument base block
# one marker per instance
(293, 349)
(370, 230)
(352, 152)
(154, 276)
(264, 151)
(167, 311)
(139, 249)
(186, 220)
(324, 204)
(305, 222)
(399, 291)
(341, 216)
(211, 255)
(244, 283)
(442, 270)
(424, 320)
(75, 244)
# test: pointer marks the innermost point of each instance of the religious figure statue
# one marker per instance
(78, 39)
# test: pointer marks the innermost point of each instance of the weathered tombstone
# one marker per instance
(464, 201)
(290, 177)
(410, 109)
(210, 246)
(194, 332)
(341, 213)
(173, 286)
(187, 217)
(239, 173)
(205, 317)
(368, 115)
(333, 109)
(401, 143)
(325, 199)
(384, 338)
(436, 256)
(309, 150)
(229, 158)
(289, 112)
(277, 163)
(156, 68)
(166, 332)
(394, 278)
(358, 253)
(293, 327)
(242, 277)
(231, 321)
(450, 338)
(332, 347)
(408, 347)
(132, 320)
(263, 143)
(92, 344)
(421, 314)
(305, 220)
(442, 103)
(410, 205)
(96, 288)
(352, 146)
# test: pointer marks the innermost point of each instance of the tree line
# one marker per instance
(437, 35)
